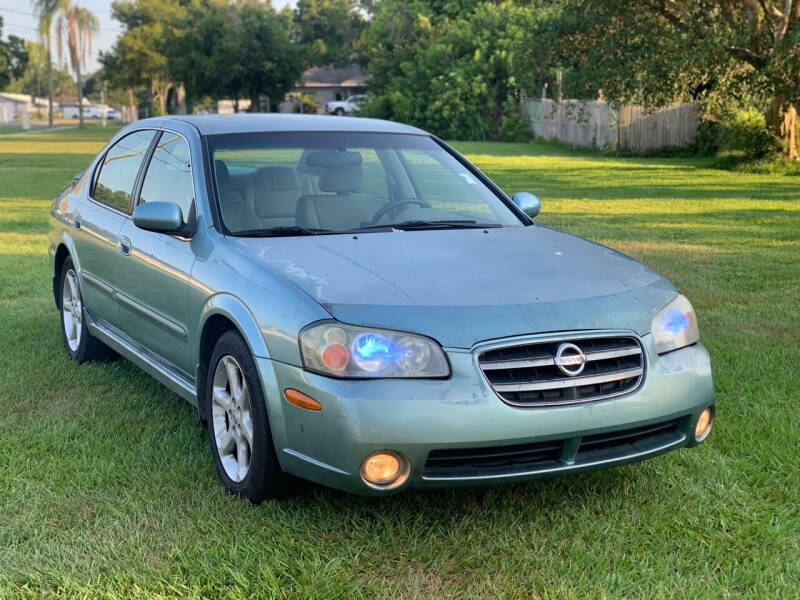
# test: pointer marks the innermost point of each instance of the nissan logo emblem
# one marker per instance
(570, 359)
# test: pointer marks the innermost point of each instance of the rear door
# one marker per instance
(154, 279)
(101, 218)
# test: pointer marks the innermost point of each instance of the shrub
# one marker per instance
(745, 132)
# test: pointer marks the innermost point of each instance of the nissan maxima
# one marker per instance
(350, 301)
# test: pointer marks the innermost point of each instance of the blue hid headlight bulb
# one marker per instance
(375, 352)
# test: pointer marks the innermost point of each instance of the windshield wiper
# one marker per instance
(441, 224)
(283, 230)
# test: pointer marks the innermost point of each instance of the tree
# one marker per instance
(445, 66)
(46, 11)
(660, 51)
(76, 25)
(328, 30)
(13, 58)
(139, 57)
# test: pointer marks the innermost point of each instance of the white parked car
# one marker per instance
(89, 112)
(346, 107)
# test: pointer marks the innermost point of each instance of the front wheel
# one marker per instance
(238, 426)
(339, 112)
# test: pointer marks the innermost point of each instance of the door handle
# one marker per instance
(124, 246)
(76, 223)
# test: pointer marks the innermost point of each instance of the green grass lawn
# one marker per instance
(107, 487)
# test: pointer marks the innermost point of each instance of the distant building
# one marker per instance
(12, 106)
(326, 84)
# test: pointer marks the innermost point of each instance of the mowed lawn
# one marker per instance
(107, 487)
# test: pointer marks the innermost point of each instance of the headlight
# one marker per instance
(675, 326)
(339, 350)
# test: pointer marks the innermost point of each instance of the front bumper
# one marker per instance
(416, 417)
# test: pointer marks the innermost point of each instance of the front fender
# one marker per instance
(233, 309)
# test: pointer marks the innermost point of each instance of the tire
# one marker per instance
(238, 425)
(81, 345)
(339, 112)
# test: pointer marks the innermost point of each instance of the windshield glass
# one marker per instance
(328, 182)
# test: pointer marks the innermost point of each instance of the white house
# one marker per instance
(13, 105)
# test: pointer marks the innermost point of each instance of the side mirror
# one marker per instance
(164, 217)
(527, 203)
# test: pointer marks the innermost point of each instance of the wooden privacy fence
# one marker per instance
(600, 124)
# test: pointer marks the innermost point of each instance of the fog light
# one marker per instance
(385, 469)
(703, 426)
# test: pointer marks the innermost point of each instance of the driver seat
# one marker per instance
(344, 206)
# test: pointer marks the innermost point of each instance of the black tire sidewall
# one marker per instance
(265, 479)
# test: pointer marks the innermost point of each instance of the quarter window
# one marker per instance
(120, 167)
(169, 174)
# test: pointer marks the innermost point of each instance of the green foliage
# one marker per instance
(306, 104)
(445, 66)
(328, 30)
(13, 58)
(743, 131)
(215, 48)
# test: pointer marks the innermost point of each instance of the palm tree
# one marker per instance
(46, 10)
(77, 25)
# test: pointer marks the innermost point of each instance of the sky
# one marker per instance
(19, 19)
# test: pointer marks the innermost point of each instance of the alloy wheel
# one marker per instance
(72, 309)
(232, 419)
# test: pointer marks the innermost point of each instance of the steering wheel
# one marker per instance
(377, 216)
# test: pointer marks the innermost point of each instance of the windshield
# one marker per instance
(331, 182)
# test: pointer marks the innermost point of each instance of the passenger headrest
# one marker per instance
(333, 159)
(222, 172)
(276, 179)
(342, 179)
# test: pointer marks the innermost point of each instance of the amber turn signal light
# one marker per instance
(302, 400)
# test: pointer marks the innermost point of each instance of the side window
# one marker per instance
(169, 174)
(114, 184)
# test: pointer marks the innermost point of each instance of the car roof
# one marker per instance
(268, 122)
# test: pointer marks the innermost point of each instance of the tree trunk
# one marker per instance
(160, 97)
(255, 99)
(79, 85)
(789, 132)
(131, 106)
(49, 84)
(180, 98)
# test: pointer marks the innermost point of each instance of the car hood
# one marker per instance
(464, 286)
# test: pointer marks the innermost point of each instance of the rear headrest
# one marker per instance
(222, 172)
(342, 179)
(333, 159)
(276, 179)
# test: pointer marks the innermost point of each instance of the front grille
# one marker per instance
(527, 374)
(554, 455)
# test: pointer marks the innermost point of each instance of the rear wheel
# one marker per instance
(80, 344)
(238, 426)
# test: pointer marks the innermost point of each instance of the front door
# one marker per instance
(154, 283)
(100, 220)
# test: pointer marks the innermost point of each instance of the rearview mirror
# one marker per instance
(527, 203)
(165, 217)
